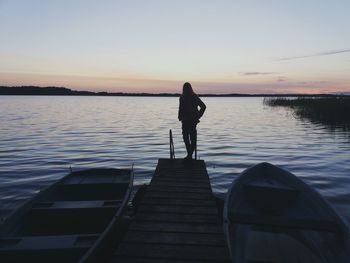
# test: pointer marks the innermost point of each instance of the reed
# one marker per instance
(333, 111)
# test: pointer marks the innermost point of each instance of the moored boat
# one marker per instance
(270, 215)
(70, 221)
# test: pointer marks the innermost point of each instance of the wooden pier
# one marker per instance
(177, 220)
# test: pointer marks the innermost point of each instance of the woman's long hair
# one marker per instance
(187, 91)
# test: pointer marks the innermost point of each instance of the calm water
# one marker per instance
(41, 137)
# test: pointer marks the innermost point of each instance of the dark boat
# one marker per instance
(272, 216)
(73, 220)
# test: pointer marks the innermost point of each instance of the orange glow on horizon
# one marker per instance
(134, 85)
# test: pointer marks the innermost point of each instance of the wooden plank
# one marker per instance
(182, 202)
(188, 174)
(175, 238)
(177, 252)
(171, 189)
(182, 179)
(188, 196)
(185, 179)
(179, 209)
(130, 259)
(184, 175)
(177, 218)
(175, 183)
(176, 227)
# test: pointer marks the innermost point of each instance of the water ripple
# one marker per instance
(45, 136)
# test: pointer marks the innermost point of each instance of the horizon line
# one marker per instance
(63, 91)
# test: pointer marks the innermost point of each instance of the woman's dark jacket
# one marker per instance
(188, 108)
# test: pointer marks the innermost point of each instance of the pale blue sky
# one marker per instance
(219, 46)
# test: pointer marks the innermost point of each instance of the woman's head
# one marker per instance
(187, 89)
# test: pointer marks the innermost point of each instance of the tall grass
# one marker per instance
(332, 111)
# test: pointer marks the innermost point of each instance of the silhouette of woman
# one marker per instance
(189, 115)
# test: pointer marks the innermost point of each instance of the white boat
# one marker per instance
(73, 220)
(272, 216)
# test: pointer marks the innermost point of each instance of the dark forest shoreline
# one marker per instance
(61, 91)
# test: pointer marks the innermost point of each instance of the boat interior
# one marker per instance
(68, 216)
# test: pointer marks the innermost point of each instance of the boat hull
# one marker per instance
(271, 215)
(70, 221)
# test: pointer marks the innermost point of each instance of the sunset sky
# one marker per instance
(154, 46)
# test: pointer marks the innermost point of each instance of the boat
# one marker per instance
(73, 220)
(270, 215)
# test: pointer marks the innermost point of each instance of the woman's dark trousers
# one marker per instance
(189, 134)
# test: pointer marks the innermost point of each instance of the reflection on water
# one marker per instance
(41, 137)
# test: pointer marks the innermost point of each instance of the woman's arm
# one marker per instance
(202, 107)
(180, 114)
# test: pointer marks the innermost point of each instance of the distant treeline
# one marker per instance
(332, 111)
(61, 91)
(34, 90)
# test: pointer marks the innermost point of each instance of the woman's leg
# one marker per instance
(188, 145)
(186, 137)
(193, 138)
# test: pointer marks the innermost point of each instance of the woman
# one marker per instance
(189, 115)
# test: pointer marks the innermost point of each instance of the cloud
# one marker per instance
(255, 73)
(325, 53)
(316, 82)
(281, 79)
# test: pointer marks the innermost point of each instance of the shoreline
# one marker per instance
(61, 91)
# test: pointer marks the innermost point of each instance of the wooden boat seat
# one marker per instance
(283, 222)
(108, 175)
(92, 204)
(47, 242)
(61, 248)
(268, 197)
(100, 179)
(89, 191)
(69, 217)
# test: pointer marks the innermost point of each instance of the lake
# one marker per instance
(43, 136)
